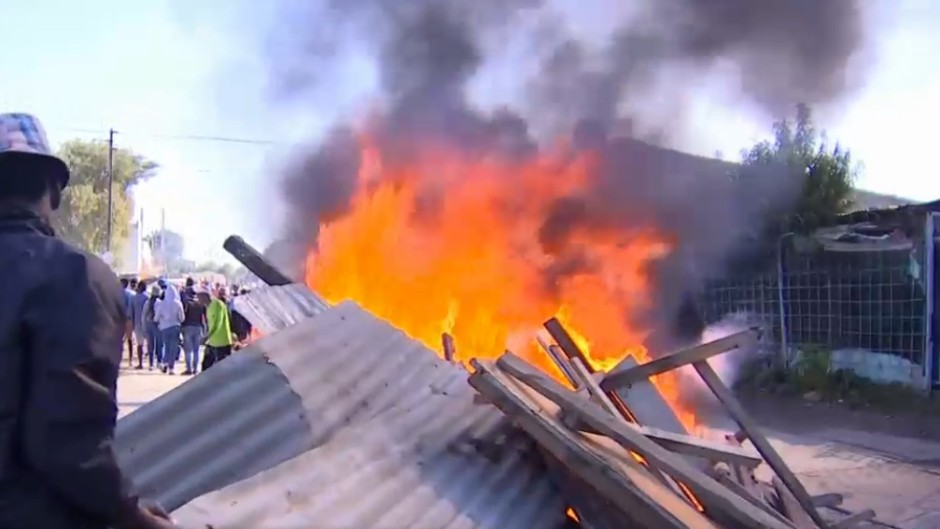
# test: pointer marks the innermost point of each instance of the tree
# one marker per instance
(828, 175)
(82, 218)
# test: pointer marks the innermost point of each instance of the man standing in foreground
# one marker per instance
(62, 321)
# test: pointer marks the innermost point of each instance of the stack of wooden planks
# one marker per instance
(623, 458)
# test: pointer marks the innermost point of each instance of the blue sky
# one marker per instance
(161, 70)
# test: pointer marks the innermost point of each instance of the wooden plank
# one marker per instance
(854, 519)
(792, 508)
(770, 495)
(624, 374)
(712, 494)
(447, 343)
(749, 426)
(651, 405)
(585, 380)
(561, 361)
(679, 443)
(564, 340)
(663, 493)
(702, 448)
(742, 474)
(827, 500)
(757, 501)
(625, 484)
(592, 509)
(649, 408)
(745, 477)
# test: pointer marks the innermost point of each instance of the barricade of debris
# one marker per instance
(647, 478)
(377, 430)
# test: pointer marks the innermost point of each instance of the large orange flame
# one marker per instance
(448, 242)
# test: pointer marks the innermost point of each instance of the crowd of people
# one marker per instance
(164, 319)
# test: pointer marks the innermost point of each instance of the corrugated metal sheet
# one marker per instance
(273, 308)
(439, 474)
(398, 440)
(224, 425)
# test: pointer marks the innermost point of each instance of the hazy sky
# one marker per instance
(168, 74)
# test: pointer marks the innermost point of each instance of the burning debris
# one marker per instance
(448, 219)
(651, 479)
(441, 216)
(609, 441)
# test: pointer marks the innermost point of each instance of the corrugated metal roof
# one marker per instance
(275, 307)
(399, 441)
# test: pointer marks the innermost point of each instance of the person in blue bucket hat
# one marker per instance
(62, 320)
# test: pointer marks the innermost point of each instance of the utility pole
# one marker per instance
(163, 240)
(110, 185)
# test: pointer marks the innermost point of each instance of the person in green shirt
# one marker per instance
(218, 330)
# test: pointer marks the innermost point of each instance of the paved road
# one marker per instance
(898, 478)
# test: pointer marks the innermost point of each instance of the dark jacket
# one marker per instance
(61, 325)
(194, 314)
(240, 325)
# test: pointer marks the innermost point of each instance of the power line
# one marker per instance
(216, 139)
(180, 137)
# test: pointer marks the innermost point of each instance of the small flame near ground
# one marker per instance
(448, 242)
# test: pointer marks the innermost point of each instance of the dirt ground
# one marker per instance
(796, 415)
(880, 460)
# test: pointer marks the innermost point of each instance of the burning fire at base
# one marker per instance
(452, 242)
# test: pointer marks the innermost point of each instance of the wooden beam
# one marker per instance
(648, 407)
(561, 361)
(854, 519)
(693, 446)
(827, 500)
(623, 376)
(447, 343)
(564, 340)
(712, 494)
(624, 483)
(743, 475)
(757, 501)
(749, 426)
(679, 443)
(587, 381)
(792, 508)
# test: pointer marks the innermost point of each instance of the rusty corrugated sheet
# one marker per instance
(359, 391)
(272, 308)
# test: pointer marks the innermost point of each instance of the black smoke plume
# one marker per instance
(597, 88)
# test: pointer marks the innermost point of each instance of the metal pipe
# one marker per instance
(255, 262)
(929, 267)
(784, 342)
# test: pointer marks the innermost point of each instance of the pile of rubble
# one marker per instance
(336, 419)
(624, 474)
